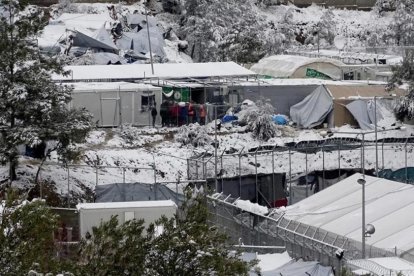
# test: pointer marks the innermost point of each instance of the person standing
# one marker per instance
(154, 115)
(202, 114)
(164, 113)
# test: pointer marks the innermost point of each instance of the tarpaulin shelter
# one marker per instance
(313, 110)
(289, 66)
(138, 42)
(337, 105)
(99, 40)
(136, 19)
(120, 192)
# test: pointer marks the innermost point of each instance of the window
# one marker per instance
(147, 101)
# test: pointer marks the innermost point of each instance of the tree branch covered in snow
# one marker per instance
(194, 135)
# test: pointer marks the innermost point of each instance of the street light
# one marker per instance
(362, 182)
(367, 230)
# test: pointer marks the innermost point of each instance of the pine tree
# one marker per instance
(403, 24)
(32, 107)
(223, 30)
(191, 246)
(113, 249)
(184, 245)
(26, 238)
(404, 107)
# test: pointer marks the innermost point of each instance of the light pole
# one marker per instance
(362, 182)
(149, 40)
(369, 229)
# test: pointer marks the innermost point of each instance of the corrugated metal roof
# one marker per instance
(363, 91)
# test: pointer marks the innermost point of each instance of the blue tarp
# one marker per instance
(229, 118)
(279, 119)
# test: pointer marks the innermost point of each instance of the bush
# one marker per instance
(194, 135)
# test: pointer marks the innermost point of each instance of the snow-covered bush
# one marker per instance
(130, 134)
(26, 237)
(258, 118)
(194, 135)
(263, 128)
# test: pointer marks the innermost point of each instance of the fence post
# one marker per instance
(68, 187)
(306, 172)
(123, 174)
(290, 178)
(204, 168)
(382, 146)
(323, 166)
(406, 165)
(339, 159)
(221, 168)
(96, 171)
(255, 166)
(240, 178)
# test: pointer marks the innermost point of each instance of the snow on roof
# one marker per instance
(283, 66)
(80, 20)
(365, 91)
(284, 82)
(269, 262)
(161, 71)
(128, 204)
(121, 86)
(362, 56)
(389, 207)
(383, 266)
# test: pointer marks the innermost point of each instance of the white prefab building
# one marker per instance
(116, 103)
(92, 214)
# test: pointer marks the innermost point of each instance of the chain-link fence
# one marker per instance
(327, 161)
(301, 240)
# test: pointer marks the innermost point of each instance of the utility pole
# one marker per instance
(215, 147)
(149, 40)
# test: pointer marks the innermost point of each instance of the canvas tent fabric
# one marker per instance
(86, 40)
(121, 192)
(139, 41)
(140, 19)
(289, 66)
(301, 268)
(360, 112)
(389, 207)
(313, 110)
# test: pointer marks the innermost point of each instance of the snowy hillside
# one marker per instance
(272, 29)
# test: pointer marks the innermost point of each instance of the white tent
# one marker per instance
(389, 207)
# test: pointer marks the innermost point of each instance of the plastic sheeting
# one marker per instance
(122, 192)
(360, 112)
(301, 268)
(139, 19)
(139, 41)
(313, 110)
(97, 40)
(107, 58)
